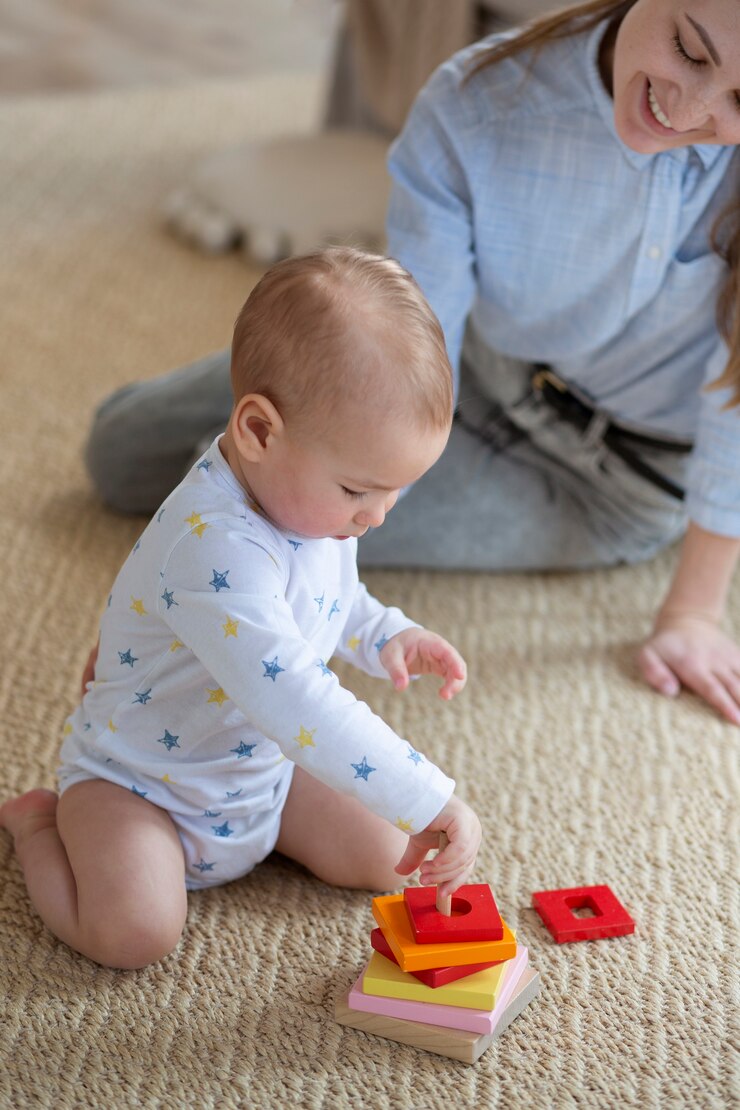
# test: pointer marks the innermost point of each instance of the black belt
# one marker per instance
(556, 393)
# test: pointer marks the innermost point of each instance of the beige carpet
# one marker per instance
(581, 775)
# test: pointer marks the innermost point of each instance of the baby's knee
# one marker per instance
(133, 944)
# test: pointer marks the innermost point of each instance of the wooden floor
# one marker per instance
(75, 45)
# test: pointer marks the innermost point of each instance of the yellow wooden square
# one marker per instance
(475, 992)
(389, 911)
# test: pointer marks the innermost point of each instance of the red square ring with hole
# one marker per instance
(556, 908)
(474, 915)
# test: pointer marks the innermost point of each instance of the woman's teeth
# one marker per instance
(657, 111)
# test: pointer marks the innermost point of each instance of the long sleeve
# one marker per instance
(370, 625)
(429, 226)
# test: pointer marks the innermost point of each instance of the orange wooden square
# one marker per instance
(389, 910)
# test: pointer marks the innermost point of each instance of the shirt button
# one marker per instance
(654, 252)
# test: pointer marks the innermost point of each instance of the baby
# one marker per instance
(215, 731)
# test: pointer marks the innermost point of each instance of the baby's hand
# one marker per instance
(454, 864)
(418, 651)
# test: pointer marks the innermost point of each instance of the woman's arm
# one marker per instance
(687, 646)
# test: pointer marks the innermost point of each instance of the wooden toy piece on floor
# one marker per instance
(556, 907)
(456, 1044)
(433, 976)
(390, 913)
(432, 1013)
(474, 915)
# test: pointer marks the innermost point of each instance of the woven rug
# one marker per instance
(580, 773)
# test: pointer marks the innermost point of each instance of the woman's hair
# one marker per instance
(725, 235)
(342, 327)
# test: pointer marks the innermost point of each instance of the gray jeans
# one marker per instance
(516, 488)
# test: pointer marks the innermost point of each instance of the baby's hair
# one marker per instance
(340, 325)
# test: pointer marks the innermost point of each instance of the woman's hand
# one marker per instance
(691, 650)
(418, 651)
(453, 865)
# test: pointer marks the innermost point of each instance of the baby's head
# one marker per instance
(342, 390)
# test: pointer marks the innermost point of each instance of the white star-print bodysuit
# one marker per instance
(212, 680)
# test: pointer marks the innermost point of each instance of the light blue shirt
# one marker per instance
(515, 203)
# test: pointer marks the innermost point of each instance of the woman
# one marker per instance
(556, 194)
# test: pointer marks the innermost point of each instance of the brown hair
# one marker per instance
(341, 325)
(725, 236)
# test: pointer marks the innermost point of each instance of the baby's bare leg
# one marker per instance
(338, 839)
(104, 869)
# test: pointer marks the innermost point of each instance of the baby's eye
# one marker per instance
(354, 493)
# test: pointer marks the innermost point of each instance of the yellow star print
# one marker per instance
(196, 523)
(168, 780)
(137, 604)
(217, 696)
(404, 826)
(67, 729)
(353, 643)
(305, 737)
(176, 644)
(230, 628)
(111, 726)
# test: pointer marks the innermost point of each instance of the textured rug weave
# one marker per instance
(581, 775)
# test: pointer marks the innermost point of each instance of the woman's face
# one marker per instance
(675, 74)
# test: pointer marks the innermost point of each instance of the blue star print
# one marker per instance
(168, 599)
(414, 756)
(272, 670)
(127, 657)
(295, 544)
(160, 514)
(143, 697)
(320, 601)
(203, 866)
(243, 750)
(169, 740)
(219, 580)
(334, 608)
(324, 668)
(381, 643)
(223, 830)
(139, 793)
(363, 769)
(204, 464)
(234, 793)
(211, 812)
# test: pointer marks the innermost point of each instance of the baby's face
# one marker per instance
(345, 482)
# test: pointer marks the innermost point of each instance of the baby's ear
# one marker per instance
(255, 422)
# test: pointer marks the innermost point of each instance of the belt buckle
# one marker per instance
(546, 376)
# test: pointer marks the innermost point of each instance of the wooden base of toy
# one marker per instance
(453, 1043)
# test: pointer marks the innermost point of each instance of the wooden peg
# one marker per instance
(444, 905)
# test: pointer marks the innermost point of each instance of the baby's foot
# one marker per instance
(25, 814)
(286, 196)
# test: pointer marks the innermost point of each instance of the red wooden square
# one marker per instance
(433, 976)
(555, 907)
(474, 915)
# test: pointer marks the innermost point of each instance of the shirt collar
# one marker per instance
(707, 153)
